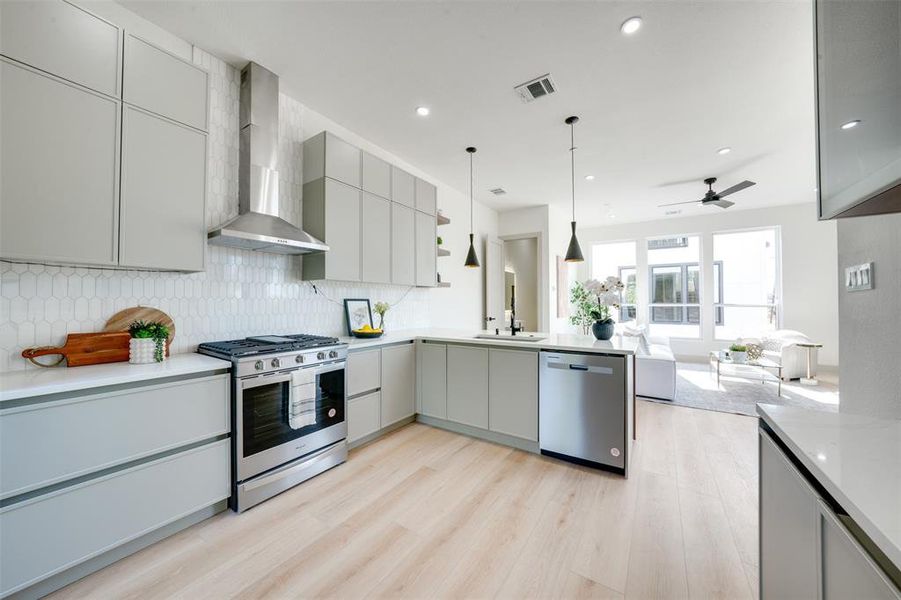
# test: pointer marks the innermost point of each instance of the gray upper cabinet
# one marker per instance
(398, 383)
(165, 84)
(62, 39)
(426, 197)
(59, 169)
(467, 398)
(513, 393)
(426, 249)
(431, 364)
(375, 239)
(403, 187)
(331, 212)
(326, 155)
(162, 217)
(375, 176)
(403, 245)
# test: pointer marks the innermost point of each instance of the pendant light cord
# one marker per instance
(470, 193)
(572, 163)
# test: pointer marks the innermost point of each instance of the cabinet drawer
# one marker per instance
(48, 534)
(164, 84)
(67, 438)
(62, 39)
(363, 416)
(363, 371)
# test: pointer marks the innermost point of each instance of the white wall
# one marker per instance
(809, 281)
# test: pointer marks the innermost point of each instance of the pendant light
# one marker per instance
(574, 251)
(472, 261)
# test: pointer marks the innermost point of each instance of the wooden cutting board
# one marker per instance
(124, 318)
(82, 349)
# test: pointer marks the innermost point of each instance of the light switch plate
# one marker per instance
(859, 277)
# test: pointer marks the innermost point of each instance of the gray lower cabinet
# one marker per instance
(403, 245)
(363, 416)
(59, 170)
(375, 239)
(162, 222)
(513, 393)
(467, 385)
(364, 371)
(431, 363)
(398, 383)
(332, 213)
(426, 249)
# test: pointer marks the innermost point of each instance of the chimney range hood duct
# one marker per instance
(258, 226)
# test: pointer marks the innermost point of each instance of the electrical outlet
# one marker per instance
(859, 277)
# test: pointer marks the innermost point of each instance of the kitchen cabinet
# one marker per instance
(426, 197)
(403, 245)
(327, 155)
(398, 383)
(467, 397)
(513, 392)
(59, 194)
(364, 371)
(162, 222)
(63, 39)
(363, 416)
(165, 84)
(403, 187)
(431, 364)
(375, 239)
(426, 249)
(375, 176)
(332, 213)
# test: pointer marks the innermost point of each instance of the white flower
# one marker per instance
(593, 286)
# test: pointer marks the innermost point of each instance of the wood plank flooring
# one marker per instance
(425, 513)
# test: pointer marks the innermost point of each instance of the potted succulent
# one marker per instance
(739, 353)
(148, 342)
(380, 309)
(607, 295)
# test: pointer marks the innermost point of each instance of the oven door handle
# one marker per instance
(306, 464)
(338, 366)
(265, 380)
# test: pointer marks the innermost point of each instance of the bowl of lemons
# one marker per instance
(367, 331)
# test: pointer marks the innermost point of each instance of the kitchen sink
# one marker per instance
(519, 337)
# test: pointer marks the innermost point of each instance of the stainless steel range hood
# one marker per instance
(258, 226)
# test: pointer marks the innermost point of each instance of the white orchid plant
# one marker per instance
(608, 294)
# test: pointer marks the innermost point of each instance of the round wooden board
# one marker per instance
(124, 318)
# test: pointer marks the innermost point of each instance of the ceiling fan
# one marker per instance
(714, 198)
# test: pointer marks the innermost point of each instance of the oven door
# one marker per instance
(283, 416)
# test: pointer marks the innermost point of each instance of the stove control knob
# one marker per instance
(275, 363)
(320, 355)
(299, 359)
(258, 365)
(333, 354)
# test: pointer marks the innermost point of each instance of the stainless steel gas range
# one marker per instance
(288, 402)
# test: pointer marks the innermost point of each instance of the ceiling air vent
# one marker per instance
(498, 191)
(536, 88)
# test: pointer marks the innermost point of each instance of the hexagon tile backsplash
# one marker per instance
(241, 293)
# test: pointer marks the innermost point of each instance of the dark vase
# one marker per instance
(603, 330)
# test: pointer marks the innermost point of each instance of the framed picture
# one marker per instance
(358, 312)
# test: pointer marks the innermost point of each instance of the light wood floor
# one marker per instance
(427, 513)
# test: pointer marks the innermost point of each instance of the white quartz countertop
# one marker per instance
(856, 458)
(624, 345)
(40, 382)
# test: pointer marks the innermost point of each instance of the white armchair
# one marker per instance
(781, 347)
(655, 365)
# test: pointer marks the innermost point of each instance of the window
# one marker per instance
(675, 286)
(618, 258)
(746, 271)
(628, 311)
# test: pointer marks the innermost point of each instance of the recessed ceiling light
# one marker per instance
(630, 25)
(423, 111)
(589, 178)
(725, 150)
(851, 124)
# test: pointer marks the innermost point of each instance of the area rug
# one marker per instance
(740, 392)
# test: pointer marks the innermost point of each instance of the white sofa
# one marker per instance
(781, 346)
(655, 365)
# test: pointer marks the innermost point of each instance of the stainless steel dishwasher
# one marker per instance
(584, 408)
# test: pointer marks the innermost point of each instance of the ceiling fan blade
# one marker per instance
(736, 188)
(678, 203)
(722, 203)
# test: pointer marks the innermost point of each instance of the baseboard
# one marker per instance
(377, 434)
(483, 434)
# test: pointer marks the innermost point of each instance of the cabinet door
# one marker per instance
(342, 231)
(513, 393)
(426, 249)
(403, 245)
(164, 84)
(788, 528)
(467, 394)
(376, 176)
(848, 571)
(363, 416)
(432, 365)
(59, 171)
(398, 383)
(60, 38)
(403, 187)
(363, 371)
(163, 189)
(426, 197)
(375, 242)
(342, 161)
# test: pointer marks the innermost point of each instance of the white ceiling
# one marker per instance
(654, 106)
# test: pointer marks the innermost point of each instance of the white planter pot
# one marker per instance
(142, 351)
(739, 357)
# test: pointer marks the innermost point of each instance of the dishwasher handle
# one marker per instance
(578, 367)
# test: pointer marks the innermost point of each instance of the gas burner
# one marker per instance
(266, 344)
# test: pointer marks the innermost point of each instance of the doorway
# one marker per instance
(521, 282)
